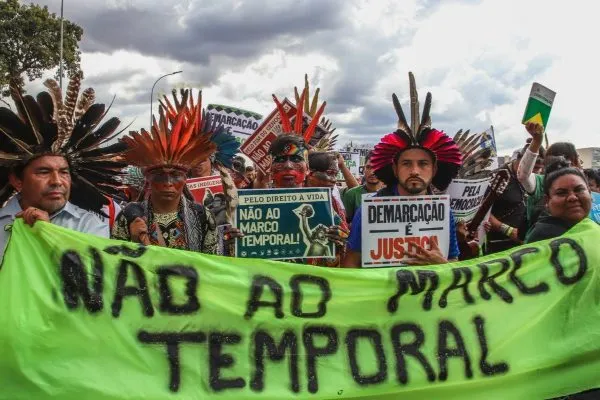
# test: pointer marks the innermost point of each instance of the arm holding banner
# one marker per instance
(348, 177)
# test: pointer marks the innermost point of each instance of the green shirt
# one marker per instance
(352, 199)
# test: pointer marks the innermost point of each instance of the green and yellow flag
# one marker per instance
(88, 318)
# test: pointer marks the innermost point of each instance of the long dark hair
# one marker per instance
(565, 149)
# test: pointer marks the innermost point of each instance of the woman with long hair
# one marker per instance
(567, 198)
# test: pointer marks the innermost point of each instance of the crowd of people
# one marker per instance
(56, 165)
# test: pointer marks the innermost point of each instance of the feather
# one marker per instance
(22, 145)
(414, 105)
(56, 94)
(304, 104)
(402, 123)
(33, 117)
(87, 99)
(300, 114)
(313, 123)
(425, 118)
(285, 120)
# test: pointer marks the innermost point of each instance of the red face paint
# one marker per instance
(289, 167)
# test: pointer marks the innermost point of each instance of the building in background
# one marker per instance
(590, 157)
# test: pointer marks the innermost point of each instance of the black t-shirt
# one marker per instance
(509, 207)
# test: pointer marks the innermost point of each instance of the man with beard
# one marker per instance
(58, 171)
(182, 138)
(352, 198)
(410, 162)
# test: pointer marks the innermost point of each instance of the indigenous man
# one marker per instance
(52, 157)
(183, 137)
(289, 169)
(410, 161)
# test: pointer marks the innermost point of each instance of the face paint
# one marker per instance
(166, 183)
(289, 167)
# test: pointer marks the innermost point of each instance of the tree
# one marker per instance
(30, 43)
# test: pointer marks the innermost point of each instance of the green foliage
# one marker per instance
(30, 43)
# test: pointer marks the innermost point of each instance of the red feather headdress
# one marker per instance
(298, 127)
(418, 135)
(181, 138)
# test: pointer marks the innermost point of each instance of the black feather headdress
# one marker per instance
(69, 127)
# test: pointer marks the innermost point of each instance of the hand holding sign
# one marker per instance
(422, 256)
(537, 134)
(337, 235)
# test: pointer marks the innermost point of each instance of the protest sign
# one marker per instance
(391, 226)
(85, 317)
(539, 105)
(204, 187)
(466, 195)
(284, 223)
(256, 147)
(240, 122)
(352, 161)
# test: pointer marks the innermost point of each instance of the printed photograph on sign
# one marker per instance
(204, 189)
(391, 226)
(284, 223)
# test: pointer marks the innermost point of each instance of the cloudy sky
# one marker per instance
(477, 58)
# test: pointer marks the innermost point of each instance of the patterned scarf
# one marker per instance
(194, 221)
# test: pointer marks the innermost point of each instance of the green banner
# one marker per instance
(88, 318)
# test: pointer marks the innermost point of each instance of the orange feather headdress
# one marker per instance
(181, 138)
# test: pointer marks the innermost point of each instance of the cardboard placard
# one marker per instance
(466, 196)
(201, 187)
(392, 225)
(240, 122)
(284, 223)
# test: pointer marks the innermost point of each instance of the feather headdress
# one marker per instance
(183, 137)
(476, 151)
(326, 142)
(417, 134)
(69, 127)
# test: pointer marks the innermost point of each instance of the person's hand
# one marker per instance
(536, 131)
(514, 236)
(462, 232)
(340, 161)
(262, 180)
(138, 231)
(337, 234)
(32, 214)
(231, 234)
(487, 226)
(425, 257)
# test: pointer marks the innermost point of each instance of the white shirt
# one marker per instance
(70, 216)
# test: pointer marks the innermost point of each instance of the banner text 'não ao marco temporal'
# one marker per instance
(85, 317)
